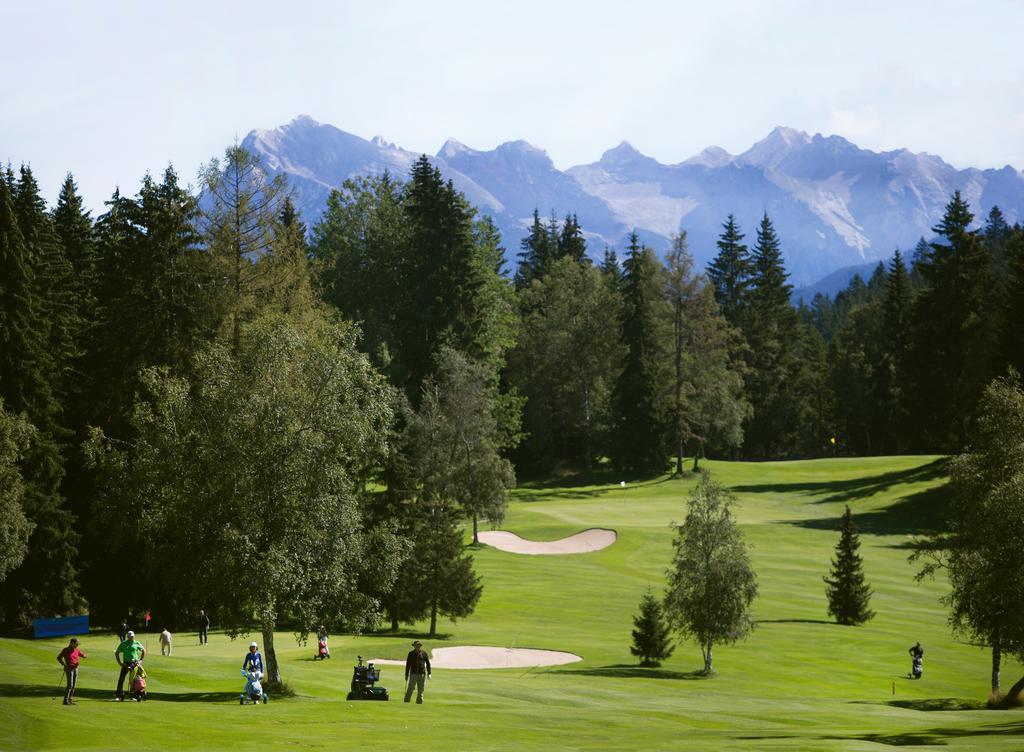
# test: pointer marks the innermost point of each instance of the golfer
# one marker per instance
(68, 658)
(253, 658)
(128, 653)
(165, 642)
(204, 627)
(417, 669)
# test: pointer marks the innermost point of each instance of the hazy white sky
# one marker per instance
(109, 90)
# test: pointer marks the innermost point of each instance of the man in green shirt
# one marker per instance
(128, 653)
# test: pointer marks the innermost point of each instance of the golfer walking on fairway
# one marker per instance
(68, 658)
(417, 669)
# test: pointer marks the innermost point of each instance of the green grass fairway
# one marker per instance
(799, 682)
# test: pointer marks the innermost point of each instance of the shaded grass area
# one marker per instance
(917, 514)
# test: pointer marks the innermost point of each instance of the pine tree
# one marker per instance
(242, 207)
(437, 578)
(771, 330)
(74, 229)
(897, 307)
(848, 594)
(1011, 338)
(641, 421)
(539, 250)
(571, 242)
(443, 276)
(30, 324)
(359, 248)
(730, 272)
(681, 290)
(955, 330)
(651, 642)
(611, 269)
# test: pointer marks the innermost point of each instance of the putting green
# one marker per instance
(799, 682)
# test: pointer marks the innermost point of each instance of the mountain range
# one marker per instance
(833, 204)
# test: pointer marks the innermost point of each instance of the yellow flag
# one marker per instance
(833, 439)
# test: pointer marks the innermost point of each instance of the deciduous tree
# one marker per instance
(711, 582)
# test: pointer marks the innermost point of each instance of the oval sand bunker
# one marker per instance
(593, 539)
(477, 656)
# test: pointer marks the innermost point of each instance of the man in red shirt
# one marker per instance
(68, 658)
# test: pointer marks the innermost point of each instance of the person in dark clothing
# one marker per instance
(204, 627)
(916, 661)
(122, 631)
(417, 670)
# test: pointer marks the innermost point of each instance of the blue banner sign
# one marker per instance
(68, 625)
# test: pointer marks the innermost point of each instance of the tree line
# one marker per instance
(193, 384)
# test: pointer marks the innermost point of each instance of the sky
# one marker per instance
(111, 90)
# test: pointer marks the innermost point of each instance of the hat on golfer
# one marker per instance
(417, 644)
(253, 645)
(130, 634)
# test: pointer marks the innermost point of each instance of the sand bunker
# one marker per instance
(476, 656)
(593, 539)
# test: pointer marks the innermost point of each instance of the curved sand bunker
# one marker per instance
(593, 539)
(477, 656)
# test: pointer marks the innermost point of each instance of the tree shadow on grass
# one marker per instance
(938, 704)
(797, 621)
(631, 671)
(44, 690)
(853, 488)
(936, 736)
(923, 512)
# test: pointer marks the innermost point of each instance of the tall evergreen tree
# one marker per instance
(848, 593)
(681, 290)
(771, 331)
(74, 229)
(955, 330)
(730, 272)
(242, 206)
(897, 309)
(641, 421)
(443, 276)
(1011, 319)
(45, 583)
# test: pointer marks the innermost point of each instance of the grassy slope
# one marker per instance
(798, 683)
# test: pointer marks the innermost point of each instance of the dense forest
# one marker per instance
(205, 404)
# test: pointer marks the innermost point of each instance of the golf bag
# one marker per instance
(364, 679)
(253, 692)
(137, 683)
(322, 651)
(917, 667)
